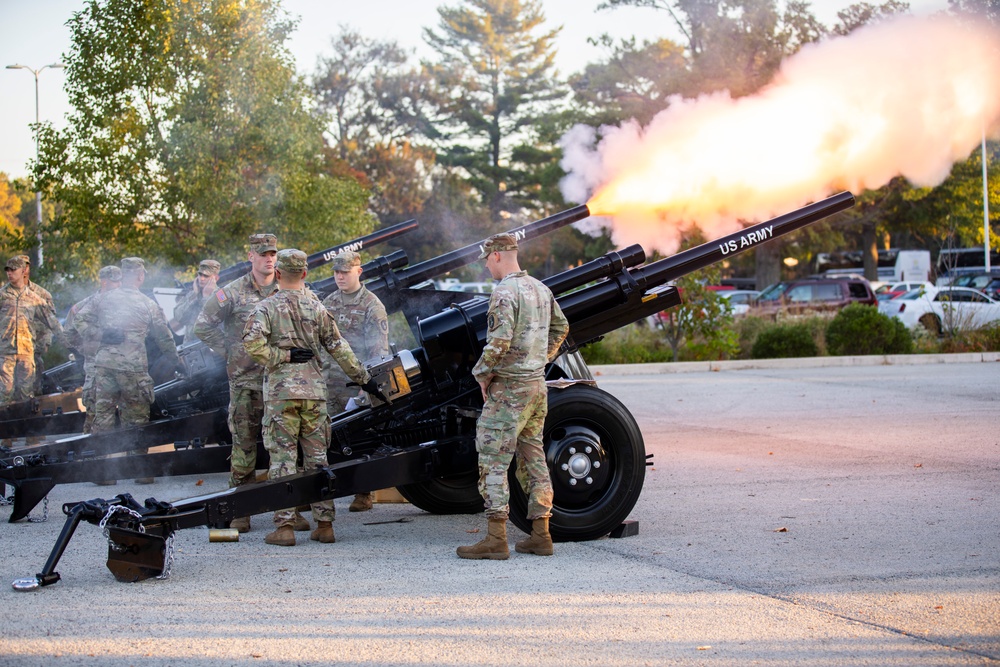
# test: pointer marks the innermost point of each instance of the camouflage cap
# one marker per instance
(498, 243)
(291, 259)
(346, 260)
(16, 262)
(133, 264)
(112, 273)
(27, 260)
(261, 243)
(210, 267)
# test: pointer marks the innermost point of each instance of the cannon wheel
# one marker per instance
(589, 435)
(458, 494)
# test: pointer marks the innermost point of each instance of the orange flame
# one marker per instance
(908, 97)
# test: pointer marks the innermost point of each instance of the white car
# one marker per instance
(938, 309)
(739, 300)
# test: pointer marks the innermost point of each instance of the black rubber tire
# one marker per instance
(583, 416)
(458, 494)
(931, 323)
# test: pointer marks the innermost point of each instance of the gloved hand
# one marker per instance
(372, 388)
(300, 355)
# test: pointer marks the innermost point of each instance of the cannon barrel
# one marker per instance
(231, 273)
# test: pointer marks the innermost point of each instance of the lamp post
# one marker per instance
(38, 194)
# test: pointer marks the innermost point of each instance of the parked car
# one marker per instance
(987, 283)
(941, 309)
(739, 300)
(888, 291)
(823, 295)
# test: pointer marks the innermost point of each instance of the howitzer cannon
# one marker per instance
(62, 413)
(191, 411)
(422, 441)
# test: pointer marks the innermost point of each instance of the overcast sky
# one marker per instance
(34, 34)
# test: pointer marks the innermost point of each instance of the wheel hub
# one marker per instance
(577, 461)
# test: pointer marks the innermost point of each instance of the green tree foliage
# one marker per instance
(785, 340)
(495, 79)
(12, 202)
(188, 132)
(702, 319)
(634, 82)
(377, 113)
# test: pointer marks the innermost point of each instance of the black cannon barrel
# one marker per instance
(376, 268)
(467, 255)
(602, 267)
(322, 257)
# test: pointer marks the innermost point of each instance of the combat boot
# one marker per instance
(492, 547)
(242, 524)
(539, 542)
(362, 502)
(283, 536)
(301, 523)
(323, 533)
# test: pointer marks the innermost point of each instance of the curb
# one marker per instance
(799, 362)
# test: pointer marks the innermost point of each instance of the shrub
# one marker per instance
(861, 329)
(785, 340)
(633, 344)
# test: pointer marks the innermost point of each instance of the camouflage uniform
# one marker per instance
(88, 348)
(220, 325)
(42, 334)
(363, 323)
(188, 308)
(295, 393)
(24, 317)
(120, 320)
(525, 329)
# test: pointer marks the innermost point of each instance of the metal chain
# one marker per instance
(45, 512)
(4, 499)
(107, 532)
(168, 557)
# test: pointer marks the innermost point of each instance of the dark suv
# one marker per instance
(828, 294)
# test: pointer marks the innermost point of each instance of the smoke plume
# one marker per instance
(906, 97)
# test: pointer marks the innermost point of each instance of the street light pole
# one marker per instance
(38, 194)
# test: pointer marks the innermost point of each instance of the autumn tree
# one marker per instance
(496, 79)
(377, 115)
(189, 131)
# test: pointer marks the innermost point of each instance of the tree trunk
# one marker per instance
(767, 262)
(869, 250)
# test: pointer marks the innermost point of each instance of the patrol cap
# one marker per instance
(291, 260)
(346, 260)
(27, 260)
(112, 273)
(209, 267)
(133, 264)
(498, 243)
(16, 262)
(261, 243)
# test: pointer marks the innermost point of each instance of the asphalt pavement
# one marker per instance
(797, 513)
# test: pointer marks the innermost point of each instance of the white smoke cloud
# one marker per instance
(906, 97)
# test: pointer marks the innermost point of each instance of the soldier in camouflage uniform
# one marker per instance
(111, 278)
(189, 306)
(121, 320)
(220, 324)
(525, 329)
(24, 318)
(363, 323)
(285, 334)
(43, 335)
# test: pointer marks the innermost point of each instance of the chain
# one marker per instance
(5, 499)
(168, 557)
(103, 525)
(45, 512)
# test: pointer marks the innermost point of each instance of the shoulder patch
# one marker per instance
(491, 321)
(221, 296)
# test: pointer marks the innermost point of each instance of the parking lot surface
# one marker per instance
(843, 515)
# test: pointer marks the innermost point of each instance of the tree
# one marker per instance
(495, 79)
(11, 227)
(377, 111)
(188, 132)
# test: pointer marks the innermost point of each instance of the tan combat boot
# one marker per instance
(301, 523)
(492, 547)
(539, 542)
(323, 533)
(362, 502)
(284, 536)
(241, 524)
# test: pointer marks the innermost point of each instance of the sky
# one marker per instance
(34, 34)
